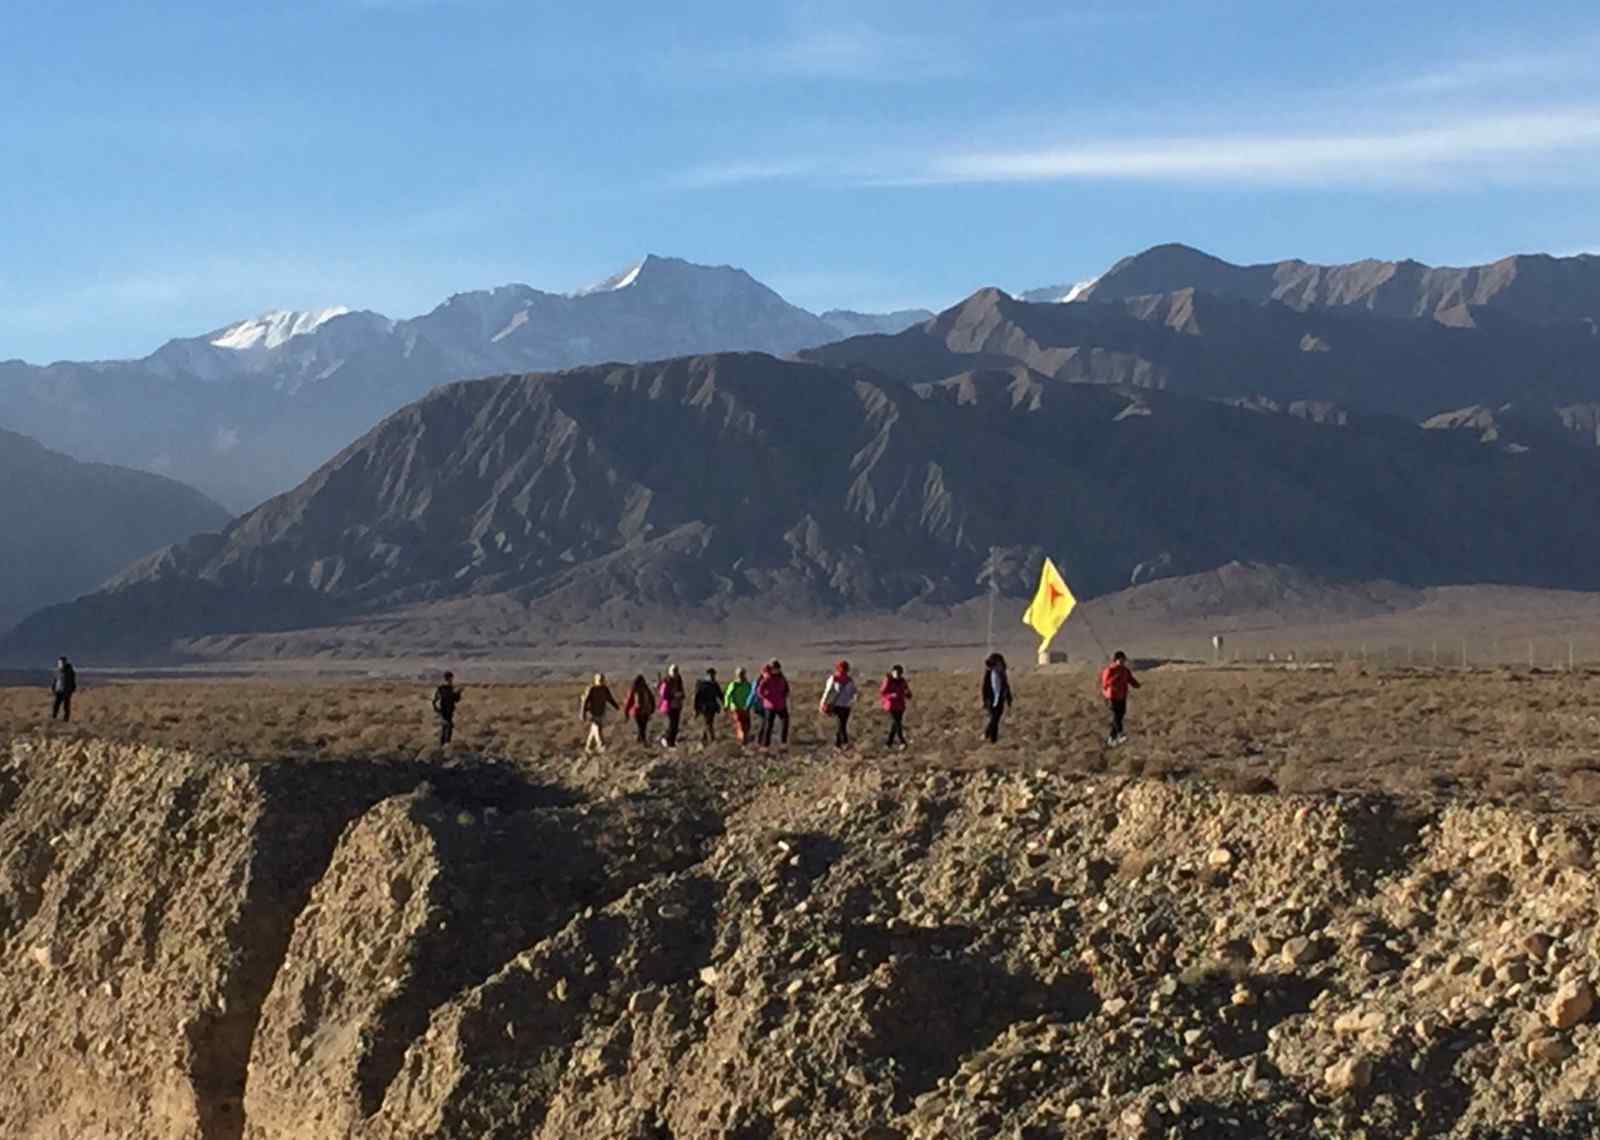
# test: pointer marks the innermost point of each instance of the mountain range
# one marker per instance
(588, 498)
(248, 410)
(68, 526)
(1378, 420)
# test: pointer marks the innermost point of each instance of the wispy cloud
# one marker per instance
(1478, 147)
(1558, 145)
(841, 52)
(1492, 72)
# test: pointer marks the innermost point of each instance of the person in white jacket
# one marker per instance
(838, 696)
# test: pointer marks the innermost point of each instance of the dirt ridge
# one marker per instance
(207, 948)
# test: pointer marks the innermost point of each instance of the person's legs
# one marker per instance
(783, 715)
(992, 732)
(446, 730)
(897, 727)
(841, 738)
(711, 727)
(1118, 711)
(66, 707)
(673, 717)
(642, 723)
(767, 719)
(55, 706)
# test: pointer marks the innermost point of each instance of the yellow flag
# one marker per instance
(1051, 604)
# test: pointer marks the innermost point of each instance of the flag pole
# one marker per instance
(992, 589)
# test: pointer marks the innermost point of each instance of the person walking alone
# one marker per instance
(708, 705)
(737, 698)
(893, 696)
(838, 697)
(1115, 681)
(63, 683)
(996, 694)
(641, 704)
(595, 710)
(669, 700)
(772, 690)
(445, 699)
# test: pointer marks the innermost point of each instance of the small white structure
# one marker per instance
(1216, 647)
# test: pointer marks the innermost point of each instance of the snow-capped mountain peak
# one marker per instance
(269, 330)
(615, 282)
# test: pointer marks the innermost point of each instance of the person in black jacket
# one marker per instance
(445, 699)
(63, 683)
(996, 694)
(708, 704)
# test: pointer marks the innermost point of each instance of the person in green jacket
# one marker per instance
(737, 701)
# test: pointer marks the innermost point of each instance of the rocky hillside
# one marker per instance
(1224, 346)
(1531, 288)
(250, 409)
(705, 482)
(209, 950)
(68, 526)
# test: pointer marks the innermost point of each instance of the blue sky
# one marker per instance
(170, 167)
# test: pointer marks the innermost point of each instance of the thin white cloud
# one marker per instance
(1553, 146)
(1478, 146)
(1497, 72)
(840, 52)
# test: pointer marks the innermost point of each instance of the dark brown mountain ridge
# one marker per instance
(719, 481)
(1229, 347)
(1532, 288)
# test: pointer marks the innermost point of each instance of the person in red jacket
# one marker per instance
(1115, 681)
(892, 697)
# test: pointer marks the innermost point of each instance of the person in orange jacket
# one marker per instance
(1115, 681)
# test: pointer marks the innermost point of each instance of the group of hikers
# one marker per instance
(742, 701)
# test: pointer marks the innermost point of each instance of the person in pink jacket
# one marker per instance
(772, 691)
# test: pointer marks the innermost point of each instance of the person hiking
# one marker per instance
(838, 697)
(893, 695)
(996, 694)
(708, 704)
(736, 698)
(445, 699)
(1115, 681)
(595, 710)
(641, 705)
(669, 700)
(772, 690)
(63, 683)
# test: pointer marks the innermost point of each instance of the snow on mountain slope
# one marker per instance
(1060, 294)
(613, 283)
(271, 329)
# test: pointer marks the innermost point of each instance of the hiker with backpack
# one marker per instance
(838, 697)
(893, 695)
(1115, 681)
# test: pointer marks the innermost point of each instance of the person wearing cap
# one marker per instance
(445, 699)
(838, 697)
(595, 710)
